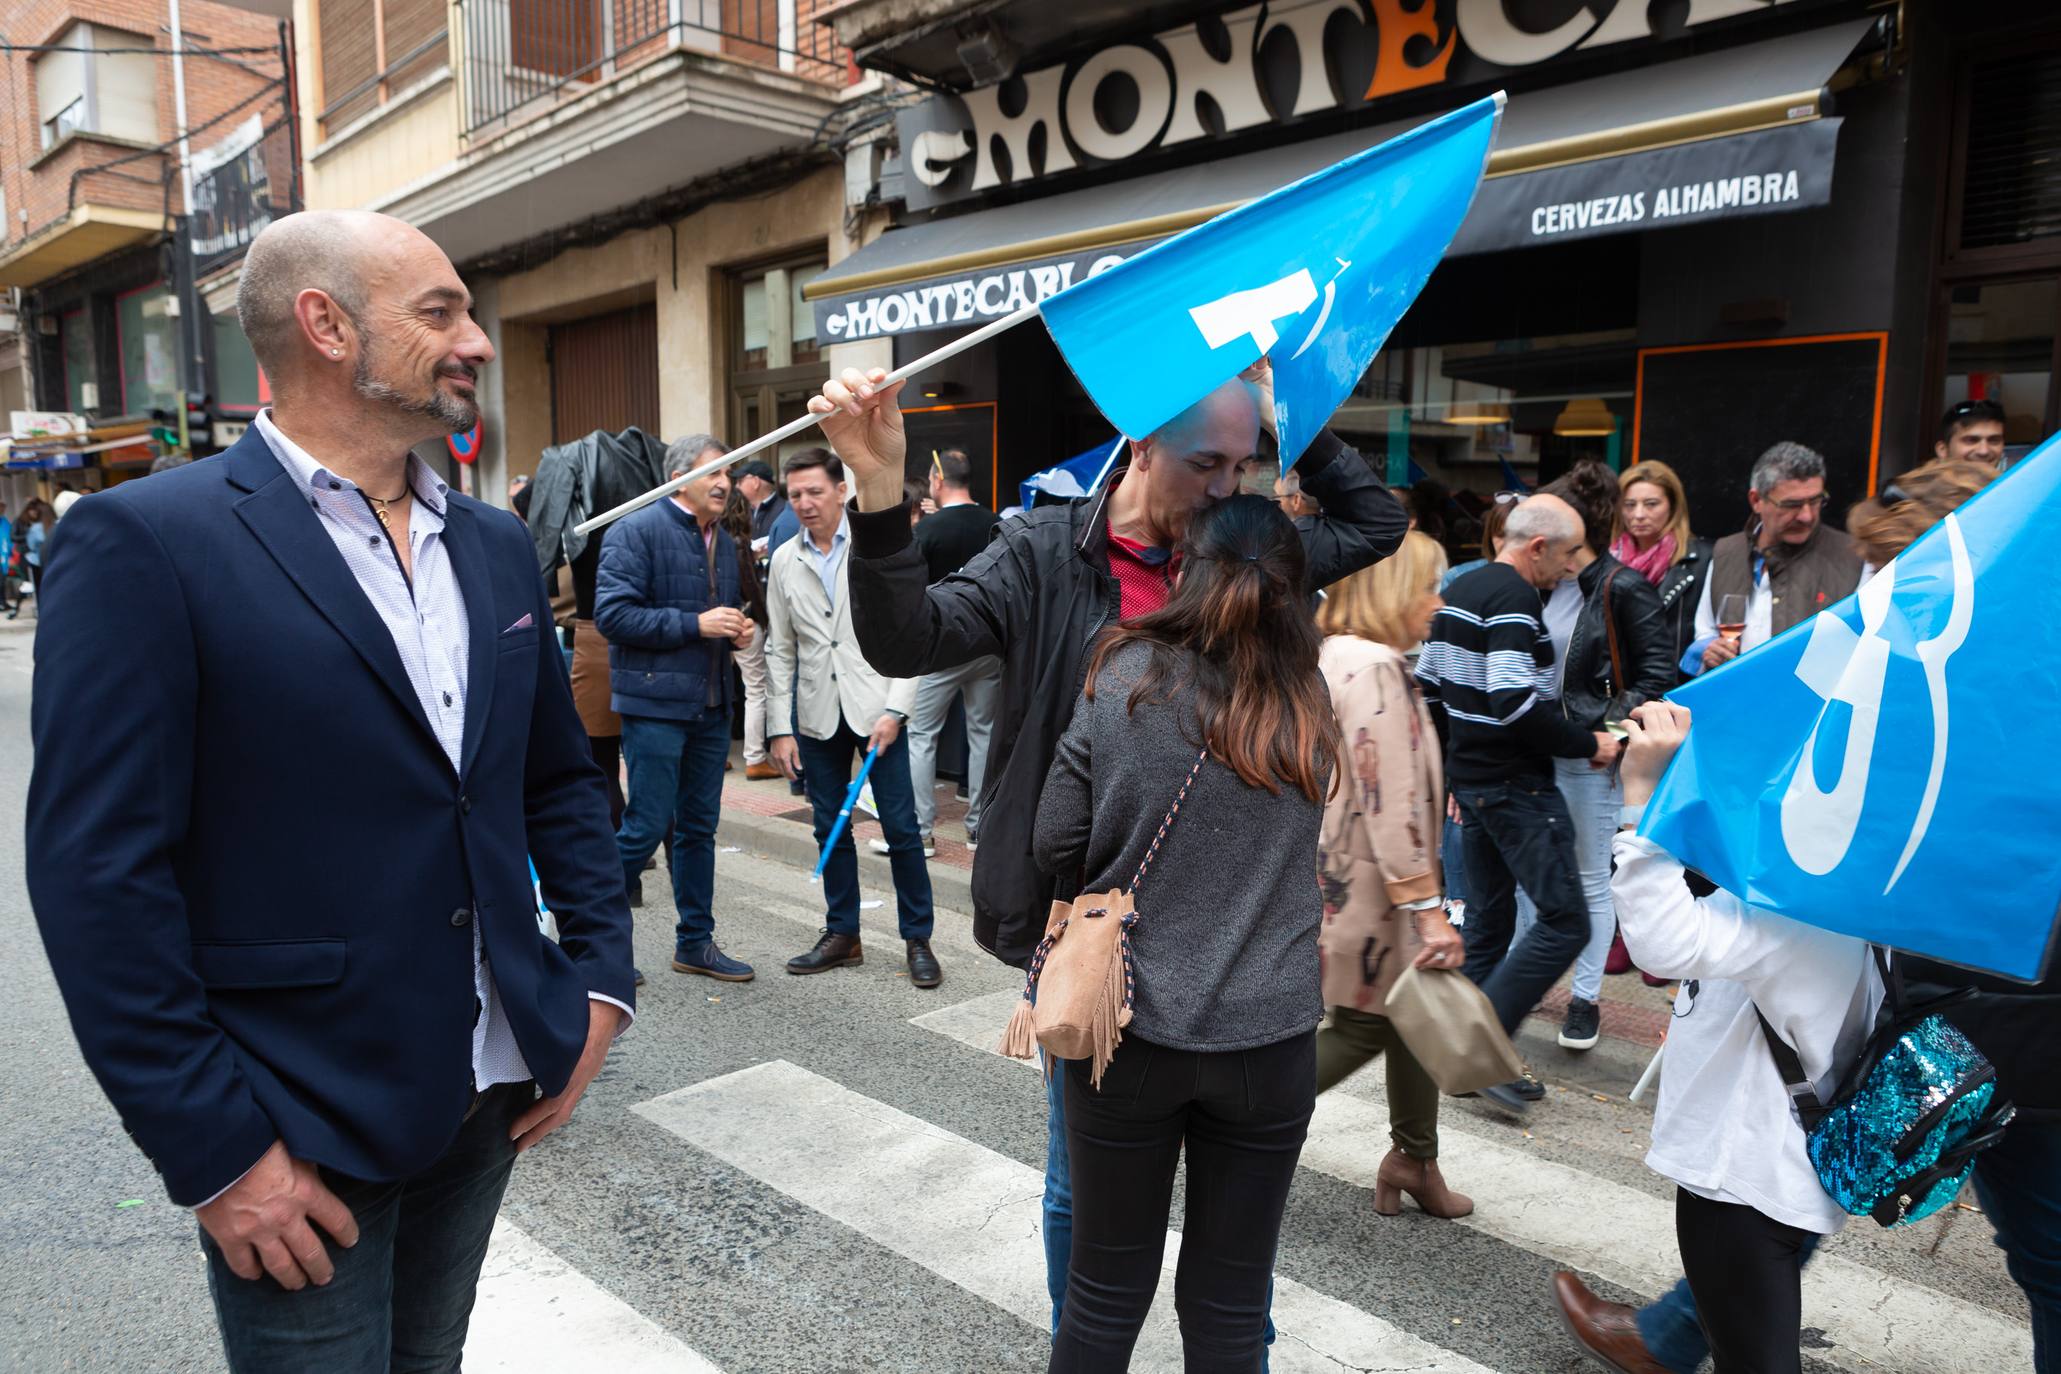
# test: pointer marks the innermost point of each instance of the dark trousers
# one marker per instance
(1241, 1116)
(676, 780)
(1353, 1037)
(1746, 1270)
(608, 757)
(2018, 1182)
(1516, 834)
(402, 1296)
(827, 772)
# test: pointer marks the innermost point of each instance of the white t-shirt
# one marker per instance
(1723, 1127)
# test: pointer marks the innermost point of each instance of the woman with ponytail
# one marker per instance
(1219, 1058)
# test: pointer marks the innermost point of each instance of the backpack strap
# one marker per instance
(1802, 1091)
(1168, 823)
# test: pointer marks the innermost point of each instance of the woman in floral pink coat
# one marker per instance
(1380, 869)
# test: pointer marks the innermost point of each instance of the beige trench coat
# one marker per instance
(1381, 826)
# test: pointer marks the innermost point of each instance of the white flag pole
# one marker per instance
(794, 427)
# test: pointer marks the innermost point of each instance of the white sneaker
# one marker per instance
(881, 847)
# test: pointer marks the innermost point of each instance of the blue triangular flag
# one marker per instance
(1880, 770)
(1314, 276)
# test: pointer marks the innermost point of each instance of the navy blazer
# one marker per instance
(254, 867)
(649, 593)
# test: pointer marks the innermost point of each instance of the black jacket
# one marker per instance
(763, 516)
(1036, 598)
(1588, 688)
(1680, 588)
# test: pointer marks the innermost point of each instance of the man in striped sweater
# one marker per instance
(1489, 675)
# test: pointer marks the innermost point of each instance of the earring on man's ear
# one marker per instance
(336, 352)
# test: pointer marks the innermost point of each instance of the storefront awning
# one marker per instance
(1739, 132)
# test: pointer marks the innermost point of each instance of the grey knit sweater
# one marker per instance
(1226, 940)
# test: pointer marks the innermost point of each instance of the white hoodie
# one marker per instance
(1723, 1127)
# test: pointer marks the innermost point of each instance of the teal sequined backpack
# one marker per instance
(1900, 1136)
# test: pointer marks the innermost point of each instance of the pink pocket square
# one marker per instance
(522, 624)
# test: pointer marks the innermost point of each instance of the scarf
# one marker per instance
(1653, 563)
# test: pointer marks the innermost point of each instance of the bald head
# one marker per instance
(362, 316)
(1540, 538)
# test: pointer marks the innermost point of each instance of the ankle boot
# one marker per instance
(1420, 1178)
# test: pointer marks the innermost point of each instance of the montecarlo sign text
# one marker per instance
(1260, 65)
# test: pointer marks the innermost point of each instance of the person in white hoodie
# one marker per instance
(1748, 1203)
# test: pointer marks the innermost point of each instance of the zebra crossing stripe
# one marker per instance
(978, 1226)
(535, 1311)
(1615, 1232)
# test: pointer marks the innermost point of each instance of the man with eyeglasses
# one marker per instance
(1783, 568)
(1973, 430)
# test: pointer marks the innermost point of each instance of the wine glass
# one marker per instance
(1731, 617)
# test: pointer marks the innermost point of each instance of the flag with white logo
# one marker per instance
(1885, 769)
(1313, 276)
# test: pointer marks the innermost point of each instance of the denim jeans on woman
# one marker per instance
(1240, 1117)
(1593, 802)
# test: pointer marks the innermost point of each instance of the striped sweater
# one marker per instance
(1487, 673)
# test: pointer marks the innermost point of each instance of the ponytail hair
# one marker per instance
(1238, 631)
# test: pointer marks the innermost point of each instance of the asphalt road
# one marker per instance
(835, 1173)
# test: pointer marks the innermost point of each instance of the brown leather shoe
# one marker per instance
(1608, 1332)
(760, 772)
(1420, 1178)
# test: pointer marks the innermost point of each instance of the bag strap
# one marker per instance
(1610, 630)
(1168, 823)
(1801, 1090)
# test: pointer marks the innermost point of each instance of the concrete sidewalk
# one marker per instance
(766, 819)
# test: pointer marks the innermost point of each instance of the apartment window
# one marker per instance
(775, 362)
(374, 50)
(64, 123)
(114, 95)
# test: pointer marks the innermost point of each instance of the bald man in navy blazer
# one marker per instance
(298, 721)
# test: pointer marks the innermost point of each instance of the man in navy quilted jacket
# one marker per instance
(668, 600)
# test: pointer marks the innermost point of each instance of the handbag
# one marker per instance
(1900, 1136)
(1449, 1027)
(1078, 996)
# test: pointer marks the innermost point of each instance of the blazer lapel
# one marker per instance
(277, 512)
(475, 582)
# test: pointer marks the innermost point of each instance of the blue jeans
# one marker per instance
(1058, 1204)
(402, 1296)
(1517, 834)
(676, 778)
(1671, 1330)
(827, 773)
(1593, 802)
(2018, 1182)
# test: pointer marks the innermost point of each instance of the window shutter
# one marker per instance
(2011, 166)
(349, 63)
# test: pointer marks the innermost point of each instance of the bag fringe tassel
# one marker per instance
(1020, 1036)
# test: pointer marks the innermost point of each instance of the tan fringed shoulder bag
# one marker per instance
(1078, 997)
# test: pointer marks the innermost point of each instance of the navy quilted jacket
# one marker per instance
(648, 598)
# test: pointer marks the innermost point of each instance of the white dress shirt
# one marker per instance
(425, 614)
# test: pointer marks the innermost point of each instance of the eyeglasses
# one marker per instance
(1504, 498)
(1802, 502)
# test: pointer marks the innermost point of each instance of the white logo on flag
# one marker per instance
(1253, 311)
(1818, 826)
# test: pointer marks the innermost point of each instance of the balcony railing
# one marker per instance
(522, 55)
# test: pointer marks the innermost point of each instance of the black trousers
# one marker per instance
(1746, 1271)
(1241, 1115)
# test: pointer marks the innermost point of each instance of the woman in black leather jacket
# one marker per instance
(1618, 654)
(1654, 540)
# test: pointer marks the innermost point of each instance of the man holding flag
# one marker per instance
(1036, 598)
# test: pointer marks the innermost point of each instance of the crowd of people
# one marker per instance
(1430, 776)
